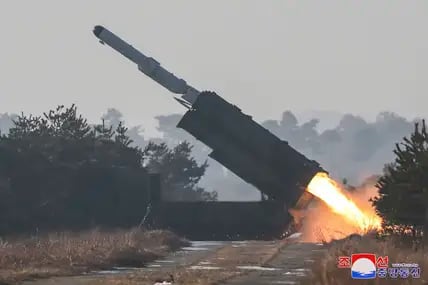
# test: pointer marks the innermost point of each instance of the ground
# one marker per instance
(228, 263)
(68, 253)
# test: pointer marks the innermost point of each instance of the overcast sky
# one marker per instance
(265, 56)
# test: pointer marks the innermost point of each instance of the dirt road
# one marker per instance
(287, 267)
(228, 263)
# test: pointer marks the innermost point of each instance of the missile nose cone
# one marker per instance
(97, 30)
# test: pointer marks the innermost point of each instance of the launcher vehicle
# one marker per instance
(237, 141)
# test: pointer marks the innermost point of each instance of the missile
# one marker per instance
(149, 66)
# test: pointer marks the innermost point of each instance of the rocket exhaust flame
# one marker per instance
(326, 189)
(212, 114)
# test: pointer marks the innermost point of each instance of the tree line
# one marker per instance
(58, 171)
(354, 149)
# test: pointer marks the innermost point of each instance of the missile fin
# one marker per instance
(183, 102)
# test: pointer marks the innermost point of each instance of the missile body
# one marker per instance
(237, 141)
(148, 65)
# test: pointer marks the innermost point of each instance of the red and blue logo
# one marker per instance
(367, 266)
(363, 266)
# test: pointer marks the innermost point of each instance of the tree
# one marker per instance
(113, 117)
(179, 171)
(288, 121)
(135, 133)
(168, 126)
(6, 122)
(403, 188)
(56, 170)
(351, 124)
(366, 142)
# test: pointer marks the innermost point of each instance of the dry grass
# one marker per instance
(71, 253)
(325, 271)
(187, 277)
(226, 259)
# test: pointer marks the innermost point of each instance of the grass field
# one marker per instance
(68, 253)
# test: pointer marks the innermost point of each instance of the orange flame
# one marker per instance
(326, 189)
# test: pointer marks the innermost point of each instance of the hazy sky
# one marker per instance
(265, 56)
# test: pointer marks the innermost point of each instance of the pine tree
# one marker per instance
(403, 187)
(180, 172)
